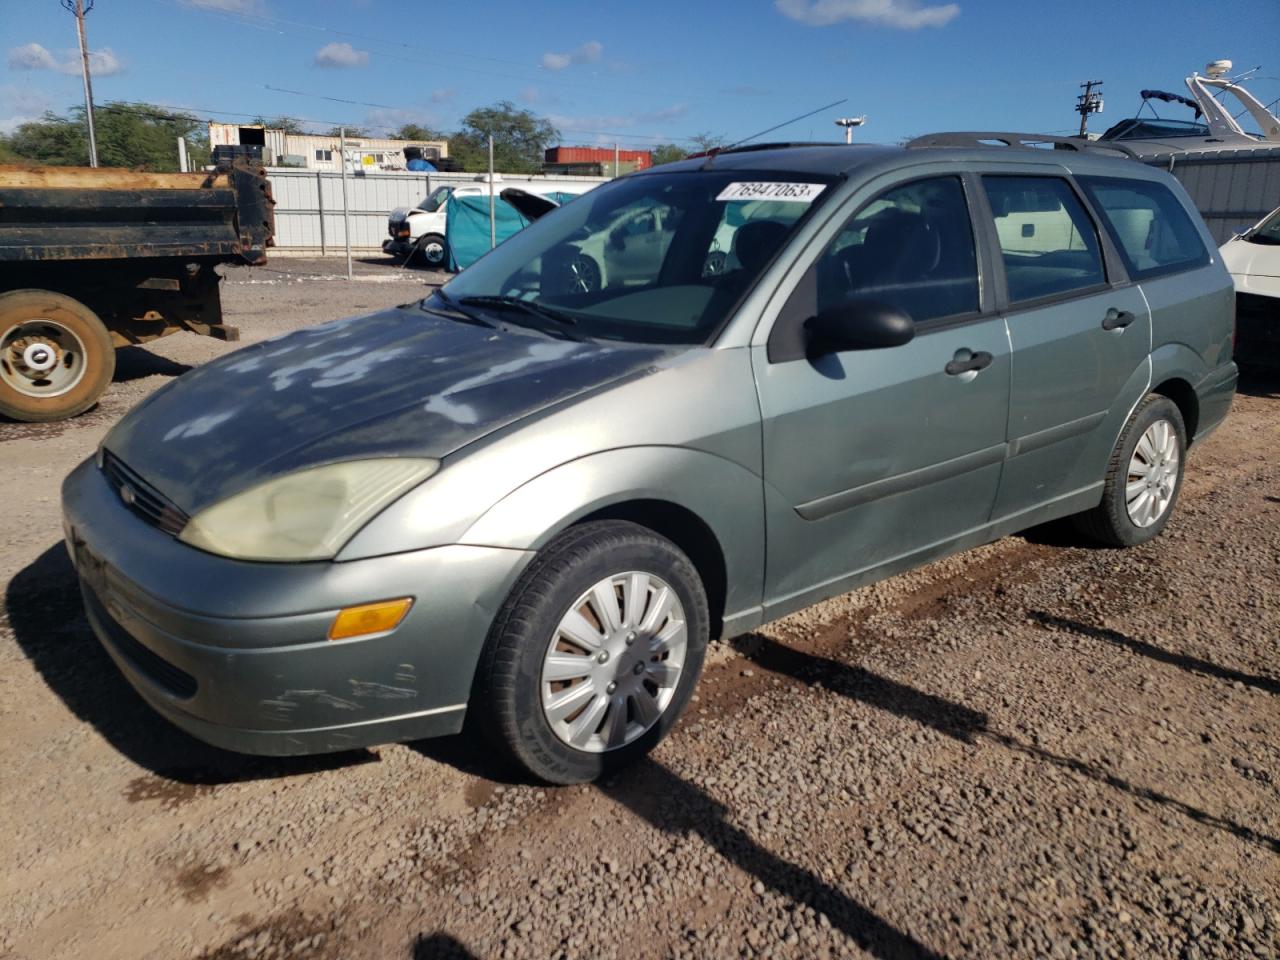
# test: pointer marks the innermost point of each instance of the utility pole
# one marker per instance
(80, 8)
(1088, 102)
(346, 208)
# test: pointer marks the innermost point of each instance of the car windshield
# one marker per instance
(435, 199)
(1154, 129)
(657, 258)
(1267, 232)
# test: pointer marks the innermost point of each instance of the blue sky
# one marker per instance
(639, 71)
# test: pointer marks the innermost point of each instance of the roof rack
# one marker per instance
(1022, 141)
(778, 145)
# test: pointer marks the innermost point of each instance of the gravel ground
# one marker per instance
(1033, 749)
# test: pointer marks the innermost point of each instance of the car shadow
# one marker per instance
(1257, 381)
(1182, 661)
(672, 804)
(957, 721)
(440, 946)
(43, 609)
(137, 363)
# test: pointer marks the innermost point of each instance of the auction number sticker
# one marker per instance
(772, 190)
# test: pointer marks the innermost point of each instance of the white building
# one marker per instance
(283, 149)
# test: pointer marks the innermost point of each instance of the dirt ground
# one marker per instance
(1033, 749)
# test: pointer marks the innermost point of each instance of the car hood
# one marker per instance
(1251, 259)
(402, 382)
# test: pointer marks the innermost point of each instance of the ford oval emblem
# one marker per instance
(128, 494)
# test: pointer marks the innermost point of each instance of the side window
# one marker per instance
(911, 247)
(1148, 224)
(1048, 240)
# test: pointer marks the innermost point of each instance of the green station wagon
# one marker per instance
(532, 498)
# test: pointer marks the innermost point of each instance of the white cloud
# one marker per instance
(567, 124)
(589, 52)
(443, 95)
(341, 55)
(32, 56)
(18, 105)
(903, 14)
(227, 6)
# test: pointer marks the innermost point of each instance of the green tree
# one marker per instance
(287, 124)
(703, 142)
(129, 135)
(668, 153)
(413, 131)
(351, 132)
(520, 139)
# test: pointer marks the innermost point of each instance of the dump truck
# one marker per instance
(95, 259)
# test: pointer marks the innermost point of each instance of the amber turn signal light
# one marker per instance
(369, 618)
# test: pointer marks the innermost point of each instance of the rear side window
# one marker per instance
(1048, 240)
(1148, 224)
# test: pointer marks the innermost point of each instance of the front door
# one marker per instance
(874, 458)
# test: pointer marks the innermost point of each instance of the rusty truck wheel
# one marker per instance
(56, 356)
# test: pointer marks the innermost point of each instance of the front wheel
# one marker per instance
(595, 653)
(1144, 477)
(56, 356)
(433, 250)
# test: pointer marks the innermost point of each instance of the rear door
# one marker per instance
(877, 457)
(1080, 332)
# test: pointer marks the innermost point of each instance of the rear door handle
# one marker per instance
(966, 361)
(1117, 319)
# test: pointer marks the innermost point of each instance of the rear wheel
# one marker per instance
(1143, 477)
(56, 356)
(595, 654)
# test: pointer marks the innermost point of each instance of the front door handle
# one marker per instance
(966, 361)
(1117, 319)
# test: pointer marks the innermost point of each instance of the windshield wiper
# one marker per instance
(457, 311)
(529, 307)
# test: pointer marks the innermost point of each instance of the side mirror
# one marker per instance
(859, 325)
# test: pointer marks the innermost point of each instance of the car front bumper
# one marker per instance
(236, 653)
(397, 246)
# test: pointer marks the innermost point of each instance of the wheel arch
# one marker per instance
(1184, 397)
(686, 530)
(710, 507)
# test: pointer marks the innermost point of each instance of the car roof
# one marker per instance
(836, 159)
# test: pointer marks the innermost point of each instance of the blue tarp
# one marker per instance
(467, 227)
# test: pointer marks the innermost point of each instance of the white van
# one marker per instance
(424, 226)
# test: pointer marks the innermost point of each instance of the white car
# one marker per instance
(425, 225)
(1253, 260)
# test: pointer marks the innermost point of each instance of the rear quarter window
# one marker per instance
(1152, 229)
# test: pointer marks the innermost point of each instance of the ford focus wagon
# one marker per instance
(531, 499)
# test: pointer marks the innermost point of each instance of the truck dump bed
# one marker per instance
(69, 213)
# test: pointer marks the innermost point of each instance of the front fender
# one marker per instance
(727, 497)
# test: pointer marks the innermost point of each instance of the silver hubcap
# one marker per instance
(614, 662)
(41, 358)
(434, 252)
(1153, 474)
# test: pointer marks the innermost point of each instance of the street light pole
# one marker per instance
(849, 123)
(80, 8)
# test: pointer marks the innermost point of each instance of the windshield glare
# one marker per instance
(1267, 232)
(660, 258)
(435, 199)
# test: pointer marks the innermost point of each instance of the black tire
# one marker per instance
(433, 251)
(506, 704)
(78, 336)
(581, 274)
(1109, 522)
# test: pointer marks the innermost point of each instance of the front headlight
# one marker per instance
(308, 515)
